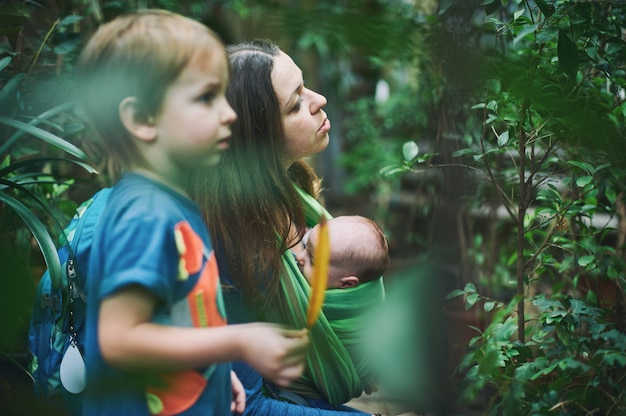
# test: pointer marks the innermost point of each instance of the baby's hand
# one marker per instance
(277, 353)
(238, 403)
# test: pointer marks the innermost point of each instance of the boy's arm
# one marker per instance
(130, 341)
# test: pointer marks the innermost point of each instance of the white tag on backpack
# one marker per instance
(72, 371)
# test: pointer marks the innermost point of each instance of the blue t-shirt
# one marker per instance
(152, 236)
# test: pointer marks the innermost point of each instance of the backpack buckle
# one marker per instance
(51, 301)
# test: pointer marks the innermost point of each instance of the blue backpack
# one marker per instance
(55, 335)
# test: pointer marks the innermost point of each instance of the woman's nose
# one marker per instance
(318, 101)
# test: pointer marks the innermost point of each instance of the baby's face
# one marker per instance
(306, 260)
(305, 257)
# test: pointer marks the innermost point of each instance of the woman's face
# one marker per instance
(306, 125)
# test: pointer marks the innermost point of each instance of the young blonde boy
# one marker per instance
(152, 85)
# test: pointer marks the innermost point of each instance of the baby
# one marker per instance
(359, 251)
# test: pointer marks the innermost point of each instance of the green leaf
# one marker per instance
(524, 32)
(40, 118)
(393, 170)
(39, 160)
(469, 288)
(587, 167)
(45, 136)
(70, 20)
(41, 234)
(410, 150)
(8, 94)
(503, 138)
(66, 47)
(455, 293)
(584, 181)
(471, 300)
(568, 55)
(463, 152)
(4, 62)
(585, 261)
(610, 195)
(546, 9)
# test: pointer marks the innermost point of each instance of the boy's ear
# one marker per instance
(348, 281)
(136, 121)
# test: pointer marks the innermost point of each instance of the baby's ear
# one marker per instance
(348, 281)
(136, 121)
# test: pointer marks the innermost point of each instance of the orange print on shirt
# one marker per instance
(203, 299)
(190, 249)
(182, 389)
(180, 392)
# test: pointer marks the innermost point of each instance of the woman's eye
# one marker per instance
(296, 107)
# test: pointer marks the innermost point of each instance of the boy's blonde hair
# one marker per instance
(137, 55)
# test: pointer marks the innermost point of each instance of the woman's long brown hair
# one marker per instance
(248, 200)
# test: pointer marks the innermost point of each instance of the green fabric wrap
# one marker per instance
(331, 373)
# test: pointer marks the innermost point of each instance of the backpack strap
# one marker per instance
(88, 215)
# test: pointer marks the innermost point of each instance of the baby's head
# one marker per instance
(359, 251)
(138, 55)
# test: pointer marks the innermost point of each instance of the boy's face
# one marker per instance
(193, 125)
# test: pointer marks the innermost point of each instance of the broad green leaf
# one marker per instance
(393, 170)
(525, 32)
(587, 167)
(455, 293)
(45, 136)
(546, 9)
(70, 20)
(40, 118)
(503, 138)
(38, 160)
(4, 62)
(471, 300)
(568, 55)
(585, 261)
(41, 234)
(463, 152)
(8, 94)
(410, 150)
(584, 181)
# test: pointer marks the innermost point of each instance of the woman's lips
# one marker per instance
(325, 126)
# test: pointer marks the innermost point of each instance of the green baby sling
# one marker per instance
(332, 371)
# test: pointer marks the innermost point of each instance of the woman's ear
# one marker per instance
(136, 121)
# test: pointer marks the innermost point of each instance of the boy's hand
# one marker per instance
(277, 353)
(238, 403)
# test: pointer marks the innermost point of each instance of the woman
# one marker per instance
(258, 206)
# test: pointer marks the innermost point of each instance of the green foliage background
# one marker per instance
(513, 106)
